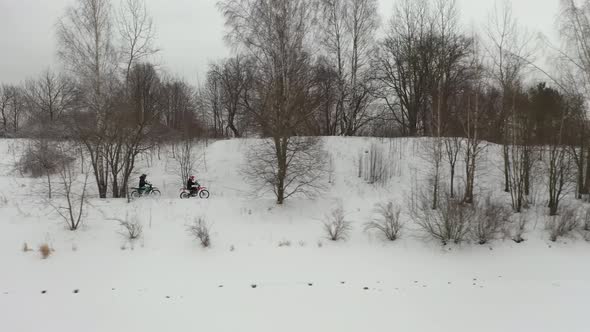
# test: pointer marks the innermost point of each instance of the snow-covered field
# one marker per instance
(95, 280)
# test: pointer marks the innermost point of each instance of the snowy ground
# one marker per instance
(96, 281)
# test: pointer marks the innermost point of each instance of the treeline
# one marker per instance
(308, 68)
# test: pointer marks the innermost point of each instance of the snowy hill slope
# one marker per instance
(166, 282)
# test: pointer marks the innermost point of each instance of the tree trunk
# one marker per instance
(506, 168)
(587, 182)
(49, 184)
(281, 150)
(452, 181)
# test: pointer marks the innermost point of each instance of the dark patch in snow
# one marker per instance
(366, 288)
(253, 285)
(76, 291)
(43, 291)
(167, 296)
(343, 282)
(220, 286)
(310, 284)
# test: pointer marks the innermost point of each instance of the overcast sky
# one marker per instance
(189, 32)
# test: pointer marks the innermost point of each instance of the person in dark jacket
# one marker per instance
(142, 183)
(192, 185)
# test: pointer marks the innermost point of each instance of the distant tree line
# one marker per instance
(308, 68)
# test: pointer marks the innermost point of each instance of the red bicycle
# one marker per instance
(200, 192)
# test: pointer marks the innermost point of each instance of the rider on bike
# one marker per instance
(192, 185)
(143, 183)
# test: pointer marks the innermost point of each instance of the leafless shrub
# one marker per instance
(285, 243)
(200, 230)
(71, 196)
(562, 224)
(132, 228)
(26, 247)
(45, 250)
(336, 226)
(450, 222)
(373, 166)
(388, 223)
(489, 220)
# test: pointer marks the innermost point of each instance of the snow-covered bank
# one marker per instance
(166, 282)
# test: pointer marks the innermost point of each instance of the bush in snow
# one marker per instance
(336, 226)
(200, 230)
(285, 243)
(132, 228)
(388, 223)
(563, 223)
(489, 220)
(450, 222)
(45, 250)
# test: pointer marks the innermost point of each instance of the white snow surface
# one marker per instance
(166, 282)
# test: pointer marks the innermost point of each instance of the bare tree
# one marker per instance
(228, 85)
(509, 49)
(86, 47)
(326, 80)
(186, 159)
(130, 127)
(362, 21)
(574, 24)
(50, 97)
(559, 159)
(12, 108)
(137, 31)
(212, 94)
(70, 198)
(304, 160)
(276, 34)
(453, 147)
(473, 122)
(4, 107)
(405, 59)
